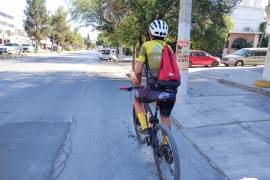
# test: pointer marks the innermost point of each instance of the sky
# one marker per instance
(15, 8)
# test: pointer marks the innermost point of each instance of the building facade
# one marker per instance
(247, 18)
(7, 28)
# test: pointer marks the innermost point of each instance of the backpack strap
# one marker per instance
(148, 72)
(164, 45)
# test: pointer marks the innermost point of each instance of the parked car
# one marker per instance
(27, 47)
(246, 56)
(10, 48)
(201, 58)
(105, 54)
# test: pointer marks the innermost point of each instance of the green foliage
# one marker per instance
(36, 22)
(60, 33)
(73, 39)
(59, 27)
(100, 40)
(127, 21)
(263, 38)
(211, 23)
(88, 42)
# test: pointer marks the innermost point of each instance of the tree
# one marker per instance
(74, 39)
(211, 23)
(36, 22)
(263, 38)
(88, 42)
(100, 40)
(59, 27)
(128, 21)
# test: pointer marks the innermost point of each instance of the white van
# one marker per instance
(246, 56)
(105, 54)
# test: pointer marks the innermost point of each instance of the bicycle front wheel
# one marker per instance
(165, 153)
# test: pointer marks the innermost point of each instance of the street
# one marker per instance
(62, 117)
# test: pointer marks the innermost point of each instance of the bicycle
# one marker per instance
(163, 152)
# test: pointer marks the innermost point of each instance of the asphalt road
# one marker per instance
(63, 117)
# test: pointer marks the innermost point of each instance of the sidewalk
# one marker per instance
(243, 77)
(37, 54)
(124, 59)
(224, 129)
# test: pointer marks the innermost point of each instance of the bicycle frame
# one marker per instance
(163, 153)
(153, 119)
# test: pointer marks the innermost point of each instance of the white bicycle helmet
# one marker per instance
(159, 28)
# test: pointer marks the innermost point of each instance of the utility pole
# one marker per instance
(183, 43)
(265, 82)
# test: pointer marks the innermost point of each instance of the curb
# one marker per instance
(264, 84)
(10, 56)
(245, 87)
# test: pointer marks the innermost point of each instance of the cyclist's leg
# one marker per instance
(166, 121)
(143, 95)
(165, 112)
(139, 106)
(140, 112)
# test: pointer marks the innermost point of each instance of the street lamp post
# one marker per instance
(265, 82)
(183, 43)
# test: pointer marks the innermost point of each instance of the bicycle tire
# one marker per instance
(173, 148)
(136, 125)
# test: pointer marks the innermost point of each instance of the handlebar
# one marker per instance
(128, 88)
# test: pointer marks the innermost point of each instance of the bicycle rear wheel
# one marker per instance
(137, 127)
(166, 155)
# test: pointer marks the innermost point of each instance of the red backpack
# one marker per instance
(168, 69)
(169, 76)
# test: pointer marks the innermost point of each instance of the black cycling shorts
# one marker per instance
(166, 100)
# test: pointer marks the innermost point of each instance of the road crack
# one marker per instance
(64, 152)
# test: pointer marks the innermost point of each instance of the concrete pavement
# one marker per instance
(228, 126)
(241, 77)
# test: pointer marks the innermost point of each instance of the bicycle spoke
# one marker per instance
(171, 169)
(167, 163)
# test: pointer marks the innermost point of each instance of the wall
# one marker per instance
(249, 13)
(7, 27)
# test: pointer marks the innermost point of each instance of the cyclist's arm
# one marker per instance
(138, 73)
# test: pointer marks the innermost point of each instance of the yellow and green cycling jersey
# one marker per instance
(152, 51)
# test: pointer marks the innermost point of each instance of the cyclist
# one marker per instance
(150, 57)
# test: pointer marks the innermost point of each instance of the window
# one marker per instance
(241, 52)
(253, 53)
(261, 53)
(107, 52)
(196, 53)
(202, 54)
